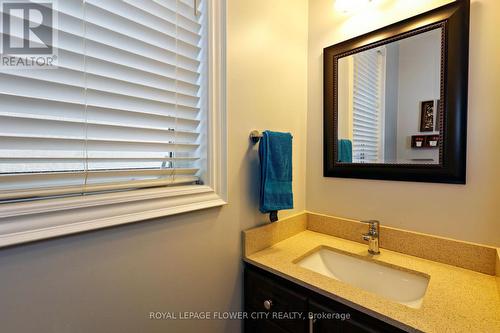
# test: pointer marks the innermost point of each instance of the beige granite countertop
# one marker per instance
(457, 299)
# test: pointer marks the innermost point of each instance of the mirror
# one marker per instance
(388, 102)
(395, 100)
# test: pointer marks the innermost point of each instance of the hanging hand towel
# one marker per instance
(275, 152)
(345, 151)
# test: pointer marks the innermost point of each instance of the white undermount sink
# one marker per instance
(400, 285)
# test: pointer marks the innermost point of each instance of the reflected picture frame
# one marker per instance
(427, 116)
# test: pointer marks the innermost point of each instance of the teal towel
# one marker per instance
(275, 152)
(345, 151)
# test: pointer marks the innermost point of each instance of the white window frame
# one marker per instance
(23, 222)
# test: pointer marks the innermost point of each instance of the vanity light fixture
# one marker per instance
(351, 6)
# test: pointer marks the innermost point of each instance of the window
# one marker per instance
(128, 121)
(368, 98)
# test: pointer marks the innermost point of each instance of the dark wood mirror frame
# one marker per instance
(454, 19)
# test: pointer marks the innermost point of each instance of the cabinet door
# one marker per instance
(285, 306)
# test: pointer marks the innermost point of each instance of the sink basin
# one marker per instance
(400, 285)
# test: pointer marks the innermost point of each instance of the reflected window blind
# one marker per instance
(123, 110)
(367, 100)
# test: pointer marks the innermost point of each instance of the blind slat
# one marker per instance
(57, 109)
(9, 120)
(73, 187)
(75, 81)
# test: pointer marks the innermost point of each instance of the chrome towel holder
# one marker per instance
(255, 136)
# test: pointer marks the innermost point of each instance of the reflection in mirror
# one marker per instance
(388, 102)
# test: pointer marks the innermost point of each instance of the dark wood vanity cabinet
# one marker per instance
(276, 305)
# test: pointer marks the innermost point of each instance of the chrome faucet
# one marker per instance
(372, 236)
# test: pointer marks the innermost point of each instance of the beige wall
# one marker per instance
(109, 280)
(468, 212)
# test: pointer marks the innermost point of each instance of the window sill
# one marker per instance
(30, 221)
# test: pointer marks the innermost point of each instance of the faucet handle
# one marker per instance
(374, 226)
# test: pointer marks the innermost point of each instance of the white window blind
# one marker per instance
(368, 99)
(123, 110)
